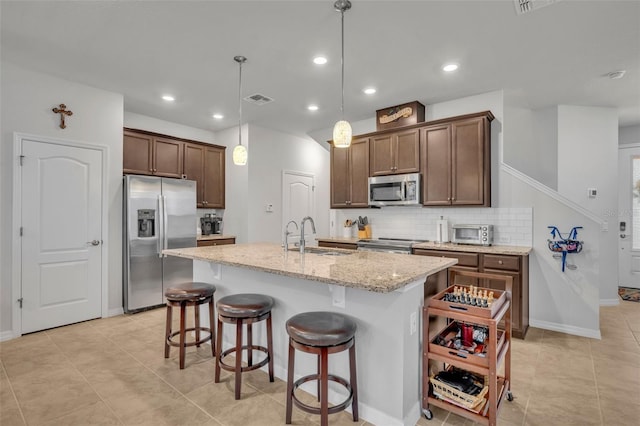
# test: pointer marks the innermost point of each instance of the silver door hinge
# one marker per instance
(21, 231)
(20, 302)
(21, 159)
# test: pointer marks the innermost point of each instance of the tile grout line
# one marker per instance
(15, 398)
(85, 379)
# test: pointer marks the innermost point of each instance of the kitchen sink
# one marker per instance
(320, 251)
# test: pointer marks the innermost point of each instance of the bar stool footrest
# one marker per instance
(251, 367)
(193, 343)
(316, 410)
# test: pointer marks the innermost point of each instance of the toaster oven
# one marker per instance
(480, 235)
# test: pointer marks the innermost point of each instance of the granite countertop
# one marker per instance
(214, 237)
(513, 250)
(371, 271)
(432, 245)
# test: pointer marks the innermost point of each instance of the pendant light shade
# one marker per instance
(342, 130)
(342, 134)
(240, 153)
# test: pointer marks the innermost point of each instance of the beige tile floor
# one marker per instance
(112, 371)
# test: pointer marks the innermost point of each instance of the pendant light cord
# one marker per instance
(240, 61)
(342, 64)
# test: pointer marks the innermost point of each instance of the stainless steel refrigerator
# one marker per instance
(159, 213)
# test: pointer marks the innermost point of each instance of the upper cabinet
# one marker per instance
(394, 153)
(350, 174)
(158, 155)
(455, 161)
(151, 155)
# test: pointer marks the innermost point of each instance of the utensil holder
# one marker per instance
(367, 230)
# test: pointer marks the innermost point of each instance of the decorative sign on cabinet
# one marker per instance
(147, 153)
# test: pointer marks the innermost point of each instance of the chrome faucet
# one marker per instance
(287, 233)
(313, 227)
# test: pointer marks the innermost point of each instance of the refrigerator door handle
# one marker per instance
(160, 227)
(165, 237)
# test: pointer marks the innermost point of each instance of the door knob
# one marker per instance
(94, 242)
(623, 235)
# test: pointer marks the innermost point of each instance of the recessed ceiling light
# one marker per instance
(168, 98)
(369, 90)
(218, 116)
(450, 67)
(312, 107)
(319, 60)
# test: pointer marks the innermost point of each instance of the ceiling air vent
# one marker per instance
(525, 6)
(258, 99)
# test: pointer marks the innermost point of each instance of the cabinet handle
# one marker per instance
(500, 262)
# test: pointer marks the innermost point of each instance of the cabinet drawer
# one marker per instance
(217, 242)
(464, 259)
(329, 244)
(507, 263)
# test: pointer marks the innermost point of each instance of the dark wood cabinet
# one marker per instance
(395, 153)
(350, 175)
(455, 161)
(216, 242)
(148, 153)
(214, 177)
(517, 267)
(151, 155)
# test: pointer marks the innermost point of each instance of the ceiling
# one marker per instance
(559, 54)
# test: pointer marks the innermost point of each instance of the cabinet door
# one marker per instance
(407, 151)
(435, 165)
(516, 302)
(137, 150)
(382, 157)
(214, 178)
(468, 162)
(167, 155)
(340, 177)
(194, 168)
(359, 171)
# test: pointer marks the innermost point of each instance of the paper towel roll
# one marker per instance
(442, 230)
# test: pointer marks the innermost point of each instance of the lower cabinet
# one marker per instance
(216, 242)
(514, 266)
(338, 245)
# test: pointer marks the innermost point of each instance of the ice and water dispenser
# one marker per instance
(146, 223)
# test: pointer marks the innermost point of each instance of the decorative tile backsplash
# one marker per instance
(512, 226)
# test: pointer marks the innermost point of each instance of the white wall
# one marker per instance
(27, 99)
(587, 155)
(151, 124)
(629, 134)
(271, 153)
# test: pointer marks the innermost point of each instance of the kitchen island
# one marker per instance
(383, 292)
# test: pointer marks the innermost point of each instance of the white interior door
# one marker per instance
(62, 234)
(628, 225)
(298, 201)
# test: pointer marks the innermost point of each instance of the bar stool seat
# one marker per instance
(239, 309)
(184, 295)
(322, 333)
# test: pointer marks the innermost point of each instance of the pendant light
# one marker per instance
(240, 152)
(342, 130)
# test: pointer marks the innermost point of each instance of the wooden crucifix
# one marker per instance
(62, 110)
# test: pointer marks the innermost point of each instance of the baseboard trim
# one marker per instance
(6, 335)
(568, 329)
(609, 302)
(115, 312)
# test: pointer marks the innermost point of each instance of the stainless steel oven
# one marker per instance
(388, 245)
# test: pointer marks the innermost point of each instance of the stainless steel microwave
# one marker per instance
(394, 190)
(481, 235)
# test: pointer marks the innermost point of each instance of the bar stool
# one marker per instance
(322, 333)
(183, 295)
(242, 309)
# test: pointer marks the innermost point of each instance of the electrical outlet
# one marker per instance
(269, 208)
(592, 192)
(413, 323)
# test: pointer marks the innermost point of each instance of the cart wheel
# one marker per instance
(427, 414)
(509, 396)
